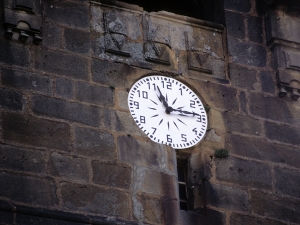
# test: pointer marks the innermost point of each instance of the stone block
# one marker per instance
(69, 13)
(100, 95)
(282, 133)
(122, 100)
(244, 173)
(255, 29)
(91, 199)
(274, 206)
(152, 210)
(238, 219)
(243, 102)
(267, 83)
(238, 5)
(287, 181)
(121, 121)
(235, 23)
(14, 53)
(35, 220)
(64, 88)
(36, 131)
(6, 217)
(28, 190)
(212, 217)
(227, 197)
(242, 124)
(95, 143)
(26, 81)
(261, 149)
(61, 109)
(11, 100)
(77, 41)
(274, 108)
(61, 63)
(242, 77)
(69, 167)
(245, 53)
(112, 175)
(21, 159)
(52, 35)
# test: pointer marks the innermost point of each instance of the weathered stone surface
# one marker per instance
(11, 100)
(61, 109)
(227, 197)
(235, 24)
(91, 142)
(212, 217)
(255, 29)
(242, 77)
(275, 207)
(64, 88)
(92, 199)
(28, 189)
(77, 41)
(238, 219)
(121, 121)
(243, 102)
(287, 181)
(69, 167)
(262, 150)
(244, 173)
(244, 53)
(22, 159)
(35, 220)
(242, 124)
(52, 35)
(267, 83)
(26, 80)
(152, 210)
(36, 131)
(94, 94)
(122, 99)
(140, 153)
(6, 217)
(274, 108)
(73, 14)
(14, 53)
(282, 133)
(238, 5)
(61, 63)
(111, 175)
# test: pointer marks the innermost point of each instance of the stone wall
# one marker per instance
(70, 152)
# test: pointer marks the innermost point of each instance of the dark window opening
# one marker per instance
(183, 184)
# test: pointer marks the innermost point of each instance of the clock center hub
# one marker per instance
(169, 109)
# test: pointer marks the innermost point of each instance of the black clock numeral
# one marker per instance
(192, 104)
(137, 104)
(199, 119)
(144, 94)
(149, 86)
(195, 130)
(169, 85)
(183, 136)
(142, 119)
(154, 130)
(169, 139)
(180, 89)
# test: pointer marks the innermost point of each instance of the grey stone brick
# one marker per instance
(77, 41)
(64, 88)
(287, 181)
(91, 142)
(6, 217)
(244, 53)
(14, 53)
(36, 131)
(20, 159)
(255, 29)
(69, 13)
(227, 197)
(152, 209)
(282, 133)
(61, 109)
(267, 83)
(235, 24)
(26, 80)
(111, 175)
(52, 35)
(243, 102)
(69, 167)
(27, 189)
(11, 100)
(97, 200)
(94, 94)
(261, 149)
(61, 63)
(242, 77)
(273, 206)
(244, 173)
(241, 124)
(238, 219)
(212, 217)
(238, 5)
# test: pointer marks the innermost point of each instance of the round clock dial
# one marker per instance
(167, 111)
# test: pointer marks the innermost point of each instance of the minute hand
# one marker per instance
(186, 112)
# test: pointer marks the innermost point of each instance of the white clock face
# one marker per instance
(167, 111)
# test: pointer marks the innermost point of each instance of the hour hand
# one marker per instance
(186, 112)
(162, 98)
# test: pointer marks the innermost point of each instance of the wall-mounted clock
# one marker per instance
(167, 111)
